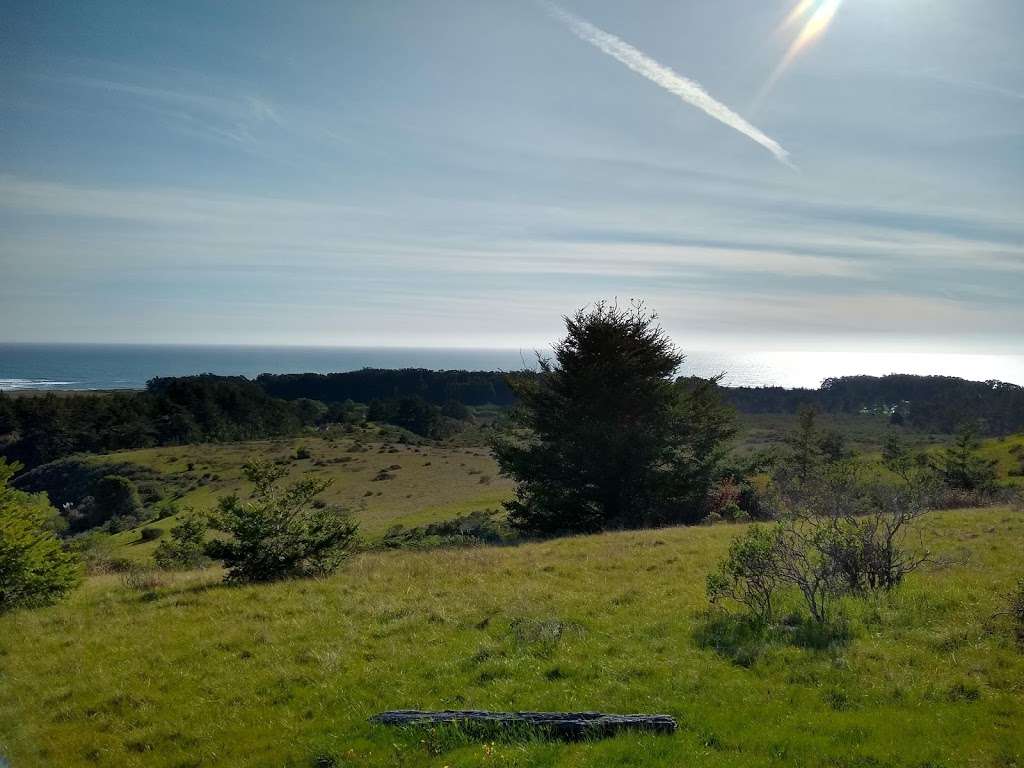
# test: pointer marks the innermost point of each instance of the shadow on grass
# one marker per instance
(743, 639)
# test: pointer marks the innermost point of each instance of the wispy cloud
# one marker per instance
(688, 90)
(222, 116)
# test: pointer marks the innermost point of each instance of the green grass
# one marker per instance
(1009, 455)
(193, 673)
(864, 432)
(434, 482)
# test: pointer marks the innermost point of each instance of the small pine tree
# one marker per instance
(962, 467)
(35, 569)
(186, 545)
(281, 532)
(805, 444)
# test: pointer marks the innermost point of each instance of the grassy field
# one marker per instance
(423, 483)
(193, 673)
(434, 481)
(1008, 453)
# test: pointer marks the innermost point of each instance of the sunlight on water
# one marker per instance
(809, 368)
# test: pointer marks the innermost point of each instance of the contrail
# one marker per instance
(689, 91)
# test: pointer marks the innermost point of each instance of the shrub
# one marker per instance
(302, 453)
(723, 499)
(118, 500)
(185, 547)
(34, 568)
(279, 533)
(96, 553)
(838, 534)
(151, 533)
(750, 572)
(480, 527)
(141, 579)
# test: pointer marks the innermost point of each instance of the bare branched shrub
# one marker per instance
(839, 533)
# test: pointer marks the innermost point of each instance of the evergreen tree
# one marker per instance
(805, 453)
(962, 467)
(606, 438)
(117, 500)
(280, 532)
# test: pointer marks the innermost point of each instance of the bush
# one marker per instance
(839, 534)
(117, 499)
(280, 533)
(151, 533)
(480, 527)
(185, 548)
(141, 579)
(35, 569)
(750, 572)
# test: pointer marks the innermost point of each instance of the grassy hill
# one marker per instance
(433, 481)
(192, 673)
(423, 483)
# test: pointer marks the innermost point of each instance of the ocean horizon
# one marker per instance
(32, 366)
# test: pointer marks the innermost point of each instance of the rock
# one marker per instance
(563, 725)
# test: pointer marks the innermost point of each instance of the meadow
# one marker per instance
(382, 480)
(184, 671)
(434, 480)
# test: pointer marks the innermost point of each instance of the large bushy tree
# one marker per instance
(35, 569)
(605, 437)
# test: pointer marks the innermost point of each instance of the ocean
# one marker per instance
(129, 366)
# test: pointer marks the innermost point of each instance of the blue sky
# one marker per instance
(463, 173)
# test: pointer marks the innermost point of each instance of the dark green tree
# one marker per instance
(419, 416)
(116, 499)
(8, 419)
(453, 409)
(280, 532)
(805, 453)
(309, 411)
(961, 465)
(35, 569)
(604, 436)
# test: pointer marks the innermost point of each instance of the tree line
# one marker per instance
(368, 384)
(930, 403)
(35, 430)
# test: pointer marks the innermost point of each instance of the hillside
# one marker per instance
(189, 672)
(434, 480)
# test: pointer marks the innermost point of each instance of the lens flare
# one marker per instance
(819, 14)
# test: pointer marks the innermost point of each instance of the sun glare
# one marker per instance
(818, 15)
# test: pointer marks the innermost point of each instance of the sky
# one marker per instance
(447, 173)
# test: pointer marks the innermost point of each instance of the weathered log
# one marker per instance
(563, 725)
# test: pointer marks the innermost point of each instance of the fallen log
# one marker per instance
(562, 725)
